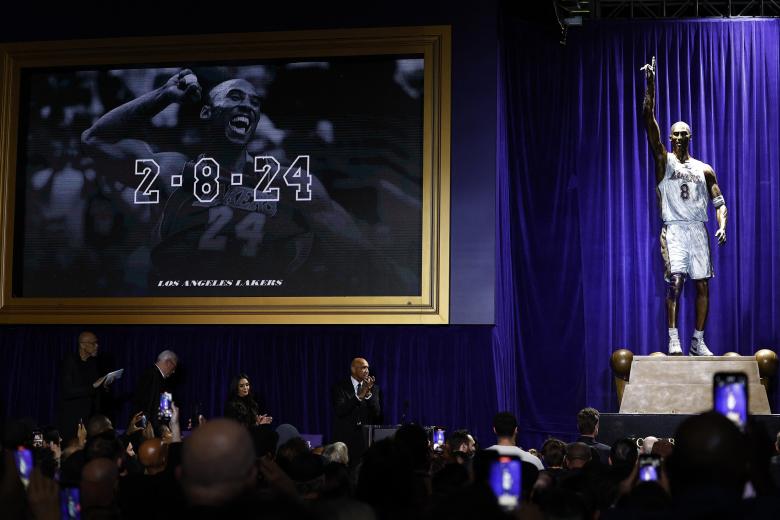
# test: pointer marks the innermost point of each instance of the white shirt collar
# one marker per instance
(161, 372)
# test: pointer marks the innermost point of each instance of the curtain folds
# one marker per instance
(578, 260)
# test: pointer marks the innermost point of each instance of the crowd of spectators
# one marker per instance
(222, 468)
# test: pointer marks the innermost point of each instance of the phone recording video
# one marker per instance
(730, 396)
(505, 479)
(70, 504)
(37, 439)
(24, 464)
(165, 405)
(649, 468)
(438, 439)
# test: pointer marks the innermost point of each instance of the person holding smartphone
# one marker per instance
(152, 383)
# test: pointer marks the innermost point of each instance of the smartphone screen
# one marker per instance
(505, 478)
(648, 468)
(24, 464)
(730, 396)
(165, 405)
(70, 505)
(438, 439)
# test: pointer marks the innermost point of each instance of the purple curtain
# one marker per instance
(432, 375)
(580, 273)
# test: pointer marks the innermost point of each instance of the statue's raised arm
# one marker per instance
(651, 125)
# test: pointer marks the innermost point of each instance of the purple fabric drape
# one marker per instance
(432, 375)
(578, 255)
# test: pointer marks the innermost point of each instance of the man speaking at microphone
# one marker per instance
(356, 401)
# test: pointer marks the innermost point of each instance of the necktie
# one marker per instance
(359, 386)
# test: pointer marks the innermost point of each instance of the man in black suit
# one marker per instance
(356, 401)
(588, 426)
(80, 388)
(152, 383)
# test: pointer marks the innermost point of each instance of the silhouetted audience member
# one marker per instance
(577, 455)
(98, 489)
(218, 464)
(588, 426)
(505, 428)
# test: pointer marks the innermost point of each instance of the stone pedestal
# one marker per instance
(683, 384)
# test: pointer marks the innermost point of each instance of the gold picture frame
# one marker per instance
(429, 306)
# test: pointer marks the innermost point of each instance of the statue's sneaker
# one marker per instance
(699, 348)
(674, 347)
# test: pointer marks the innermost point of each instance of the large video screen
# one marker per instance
(274, 178)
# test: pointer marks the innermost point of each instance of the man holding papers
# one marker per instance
(81, 385)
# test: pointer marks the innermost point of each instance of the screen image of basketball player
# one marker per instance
(222, 179)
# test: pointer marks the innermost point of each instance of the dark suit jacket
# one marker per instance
(147, 394)
(602, 449)
(351, 414)
(78, 397)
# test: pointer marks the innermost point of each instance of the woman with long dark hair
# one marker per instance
(242, 405)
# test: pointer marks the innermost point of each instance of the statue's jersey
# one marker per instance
(683, 191)
(230, 236)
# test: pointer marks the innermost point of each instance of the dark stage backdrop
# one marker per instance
(433, 375)
(579, 268)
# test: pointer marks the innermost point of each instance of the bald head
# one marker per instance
(709, 449)
(153, 454)
(359, 369)
(218, 463)
(98, 483)
(680, 126)
(88, 345)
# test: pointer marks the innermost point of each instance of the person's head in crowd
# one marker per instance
(647, 444)
(53, 441)
(505, 428)
(107, 446)
(663, 448)
(218, 463)
(577, 455)
(306, 470)
(98, 424)
(386, 478)
(553, 453)
(337, 482)
(623, 453)
(588, 422)
(99, 479)
(153, 456)
(709, 451)
(415, 439)
(167, 361)
(88, 345)
(336, 452)
(562, 503)
(291, 450)
(285, 433)
(240, 387)
(456, 447)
